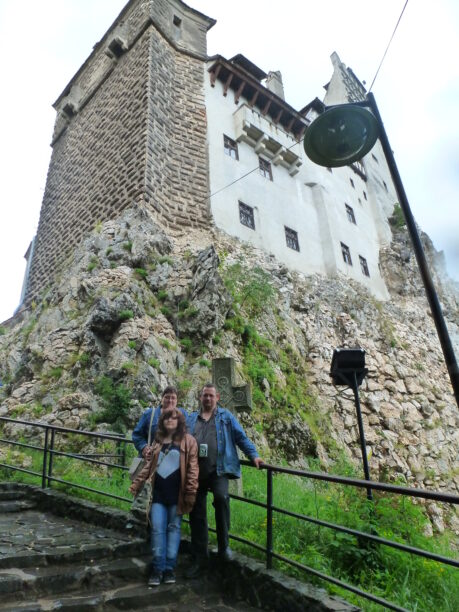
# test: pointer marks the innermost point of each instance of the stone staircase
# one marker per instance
(61, 553)
(52, 562)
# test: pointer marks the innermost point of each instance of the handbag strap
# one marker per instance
(153, 410)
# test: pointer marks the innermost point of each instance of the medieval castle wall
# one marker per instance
(130, 129)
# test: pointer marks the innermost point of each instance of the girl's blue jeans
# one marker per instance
(165, 536)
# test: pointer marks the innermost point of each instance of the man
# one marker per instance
(217, 433)
(140, 433)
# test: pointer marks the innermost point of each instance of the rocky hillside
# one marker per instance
(137, 309)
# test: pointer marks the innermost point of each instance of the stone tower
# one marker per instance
(130, 130)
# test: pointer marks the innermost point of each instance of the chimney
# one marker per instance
(274, 83)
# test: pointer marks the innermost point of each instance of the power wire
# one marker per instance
(243, 176)
(388, 45)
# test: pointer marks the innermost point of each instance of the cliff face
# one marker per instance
(136, 309)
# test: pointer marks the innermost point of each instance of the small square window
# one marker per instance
(364, 266)
(365, 195)
(291, 238)
(352, 183)
(265, 168)
(346, 254)
(177, 21)
(246, 216)
(375, 158)
(230, 147)
(350, 214)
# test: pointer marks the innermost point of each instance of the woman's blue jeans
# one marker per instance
(165, 536)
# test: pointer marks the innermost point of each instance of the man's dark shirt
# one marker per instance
(206, 433)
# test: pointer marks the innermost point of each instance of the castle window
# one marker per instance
(385, 185)
(230, 146)
(346, 254)
(364, 266)
(246, 216)
(352, 183)
(330, 170)
(375, 158)
(350, 214)
(265, 168)
(291, 238)
(177, 21)
(365, 195)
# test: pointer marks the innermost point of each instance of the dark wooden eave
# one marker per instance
(243, 83)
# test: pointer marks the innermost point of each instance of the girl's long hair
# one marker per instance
(161, 431)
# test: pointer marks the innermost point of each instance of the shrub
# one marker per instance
(124, 315)
(154, 363)
(141, 272)
(187, 344)
(397, 219)
(116, 399)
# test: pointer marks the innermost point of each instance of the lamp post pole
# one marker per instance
(442, 331)
(363, 446)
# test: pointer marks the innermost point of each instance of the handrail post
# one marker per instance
(269, 518)
(45, 457)
(51, 457)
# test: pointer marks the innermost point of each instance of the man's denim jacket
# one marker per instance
(229, 435)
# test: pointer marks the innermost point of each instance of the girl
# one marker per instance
(172, 471)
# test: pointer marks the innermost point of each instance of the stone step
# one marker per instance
(62, 555)
(11, 494)
(134, 596)
(17, 505)
(26, 584)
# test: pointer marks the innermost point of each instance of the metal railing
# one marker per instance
(49, 452)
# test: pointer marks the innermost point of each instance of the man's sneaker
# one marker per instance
(169, 577)
(155, 578)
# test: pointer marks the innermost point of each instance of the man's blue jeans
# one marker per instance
(165, 536)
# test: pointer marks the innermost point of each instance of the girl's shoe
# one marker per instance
(155, 578)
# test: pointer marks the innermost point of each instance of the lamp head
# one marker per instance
(341, 135)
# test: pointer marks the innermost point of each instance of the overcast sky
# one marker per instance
(44, 42)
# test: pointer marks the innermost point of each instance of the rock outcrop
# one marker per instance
(137, 309)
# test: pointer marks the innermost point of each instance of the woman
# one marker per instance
(172, 471)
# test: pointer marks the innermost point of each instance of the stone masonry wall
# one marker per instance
(96, 168)
(138, 135)
(177, 169)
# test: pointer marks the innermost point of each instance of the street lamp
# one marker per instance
(348, 368)
(345, 133)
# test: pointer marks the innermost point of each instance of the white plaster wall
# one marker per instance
(312, 202)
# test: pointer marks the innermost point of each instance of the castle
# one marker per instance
(150, 120)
